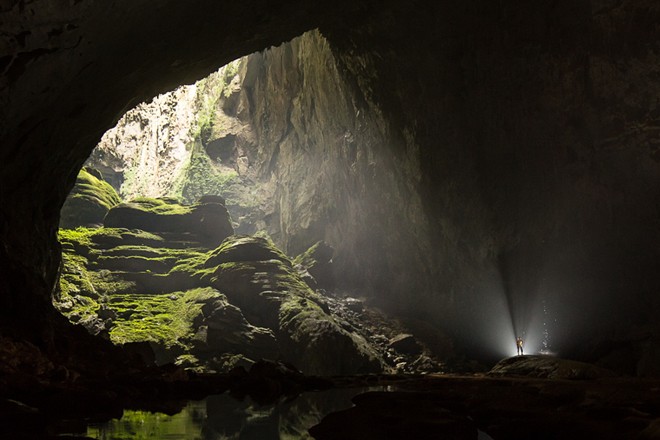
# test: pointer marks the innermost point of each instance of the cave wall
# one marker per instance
(539, 155)
(339, 171)
(534, 128)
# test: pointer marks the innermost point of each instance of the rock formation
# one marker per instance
(511, 144)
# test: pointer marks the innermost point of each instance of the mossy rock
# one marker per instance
(239, 248)
(165, 319)
(317, 261)
(89, 201)
(157, 283)
(209, 222)
(224, 329)
(254, 287)
(314, 341)
(136, 263)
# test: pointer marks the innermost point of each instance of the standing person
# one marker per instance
(519, 345)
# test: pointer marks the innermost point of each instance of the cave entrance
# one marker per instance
(209, 223)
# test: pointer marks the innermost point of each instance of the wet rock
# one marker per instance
(20, 421)
(425, 364)
(140, 350)
(405, 343)
(394, 415)
(548, 367)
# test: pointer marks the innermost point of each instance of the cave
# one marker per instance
(492, 171)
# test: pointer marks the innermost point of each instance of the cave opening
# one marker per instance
(499, 167)
(275, 157)
(301, 157)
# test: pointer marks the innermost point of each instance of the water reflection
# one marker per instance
(222, 417)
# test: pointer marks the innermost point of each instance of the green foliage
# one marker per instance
(201, 176)
(209, 92)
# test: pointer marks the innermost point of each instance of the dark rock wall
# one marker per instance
(533, 128)
(539, 153)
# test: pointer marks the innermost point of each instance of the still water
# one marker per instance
(221, 417)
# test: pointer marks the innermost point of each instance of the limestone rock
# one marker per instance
(245, 248)
(209, 221)
(548, 367)
(89, 200)
(405, 343)
(225, 329)
(272, 295)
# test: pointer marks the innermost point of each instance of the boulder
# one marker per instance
(315, 341)
(245, 248)
(271, 294)
(210, 221)
(225, 329)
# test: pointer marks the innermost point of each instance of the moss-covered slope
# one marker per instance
(89, 201)
(204, 308)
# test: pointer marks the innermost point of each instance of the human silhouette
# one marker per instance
(519, 345)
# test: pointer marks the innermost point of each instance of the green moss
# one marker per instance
(96, 190)
(192, 266)
(151, 252)
(165, 319)
(164, 206)
(201, 176)
(89, 200)
(108, 283)
(245, 248)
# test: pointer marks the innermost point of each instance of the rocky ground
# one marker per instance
(521, 398)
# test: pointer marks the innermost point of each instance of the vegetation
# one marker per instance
(201, 176)
(209, 92)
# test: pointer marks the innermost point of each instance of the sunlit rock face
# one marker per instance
(512, 146)
(160, 133)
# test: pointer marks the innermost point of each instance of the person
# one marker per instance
(519, 345)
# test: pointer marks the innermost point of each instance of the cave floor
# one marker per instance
(420, 407)
(465, 407)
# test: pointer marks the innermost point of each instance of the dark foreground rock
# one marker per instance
(548, 367)
(464, 407)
